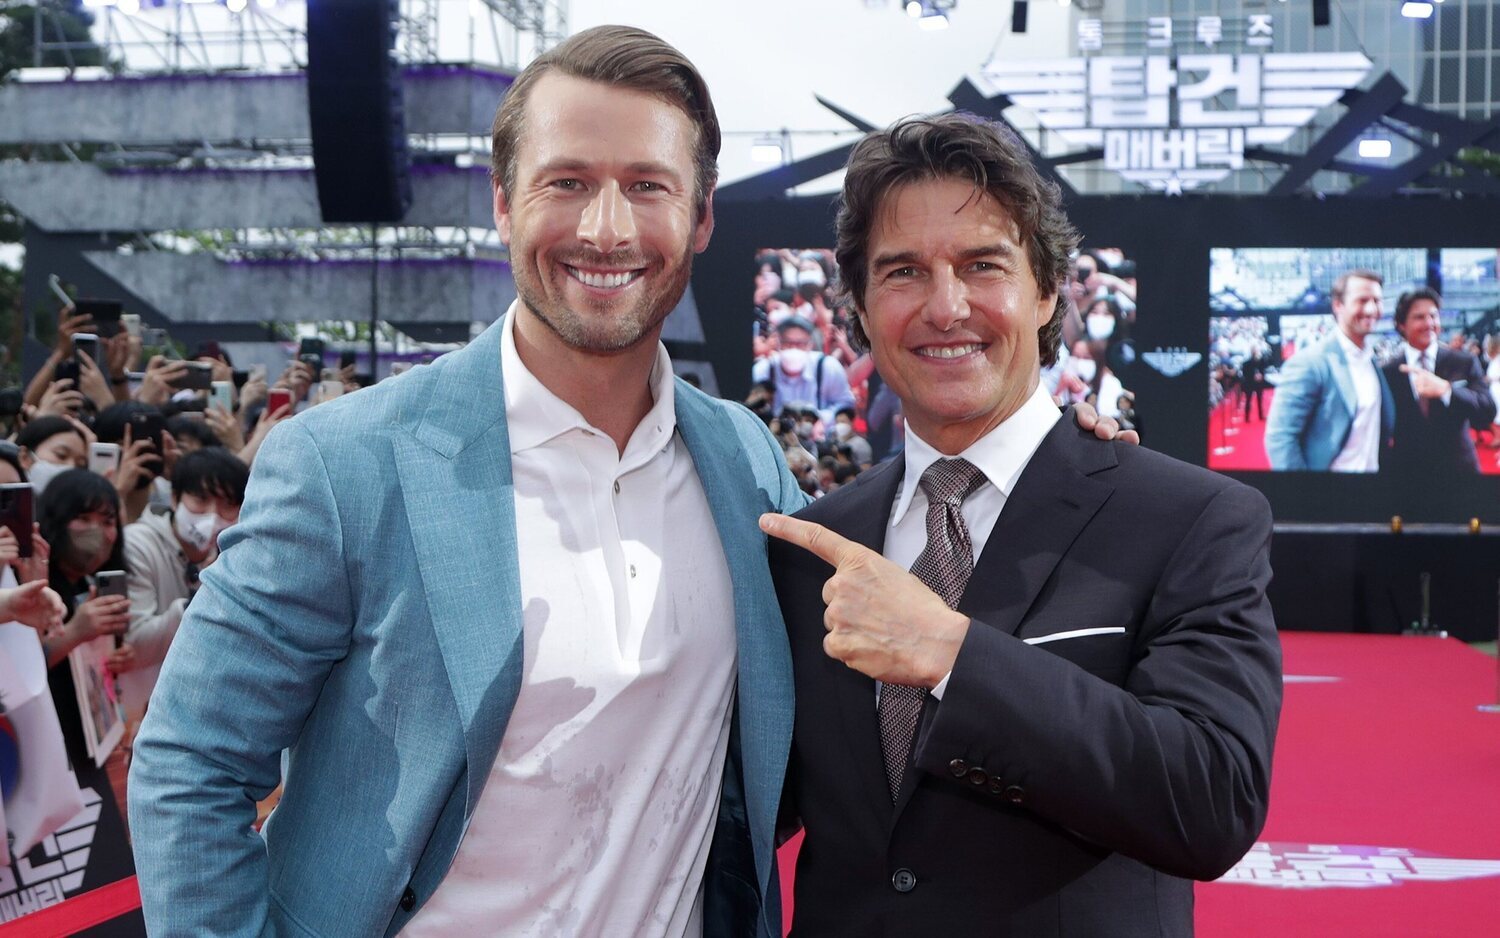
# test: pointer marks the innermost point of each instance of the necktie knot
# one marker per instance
(951, 480)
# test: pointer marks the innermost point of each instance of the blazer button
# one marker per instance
(958, 767)
(1015, 794)
(996, 785)
(408, 900)
(904, 880)
(978, 776)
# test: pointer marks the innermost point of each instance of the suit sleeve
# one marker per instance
(1292, 408)
(271, 617)
(1173, 766)
(1474, 401)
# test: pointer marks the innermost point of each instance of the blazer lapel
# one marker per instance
(763, 662)
(456, 481)
(1053, 500)
(1341, 378)
(864, 518)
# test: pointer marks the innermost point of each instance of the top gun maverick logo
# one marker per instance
(1176, 121)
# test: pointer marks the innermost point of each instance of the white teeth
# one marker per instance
(948, 351)
(603, 281)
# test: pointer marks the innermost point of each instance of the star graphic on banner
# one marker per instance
(1174, 185)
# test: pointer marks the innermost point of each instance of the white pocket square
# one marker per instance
(1075, 633)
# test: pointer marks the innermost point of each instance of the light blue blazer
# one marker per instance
(365, 615)
(1313, 409)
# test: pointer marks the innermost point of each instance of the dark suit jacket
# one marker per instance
(1071, 787)
(1439, 443)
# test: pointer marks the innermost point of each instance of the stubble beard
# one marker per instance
(606, 332)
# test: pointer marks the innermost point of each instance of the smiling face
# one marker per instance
(601, 226)
(1358, 310)
(952, 310)
(1422, 326)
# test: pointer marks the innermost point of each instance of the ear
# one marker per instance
(705, 227)
(1045, 307)
(502, 210)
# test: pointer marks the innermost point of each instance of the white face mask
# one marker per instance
(1100, 327)
(793, 361)
(197, 531)
(43, 472)
(843, 430)
(1084, 369)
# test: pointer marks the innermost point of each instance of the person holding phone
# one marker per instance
(69, 323)
(14, 567)
(165, 554)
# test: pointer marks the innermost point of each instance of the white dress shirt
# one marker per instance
(597, 816)
(1427, 362)
(1361, 452)
(1002, 455)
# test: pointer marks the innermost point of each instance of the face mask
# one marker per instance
(843, 430)
(1100, 327)
(197, 531)
(86, 547)
(793, 361)
(42, 473)
(1084, 369)
(805, 429)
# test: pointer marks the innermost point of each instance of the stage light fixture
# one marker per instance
(1375, 148)
(1416, 9)
(129, 7)
(914, 9)
(236, 6)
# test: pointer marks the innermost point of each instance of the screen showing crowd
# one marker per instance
(1354, 360)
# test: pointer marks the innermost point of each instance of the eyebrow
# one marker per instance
(639, 168)
(901, 258)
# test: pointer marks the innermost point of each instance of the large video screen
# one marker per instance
(1304, 378)
(817, 390)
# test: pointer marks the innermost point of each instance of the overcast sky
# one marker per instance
(765, 60)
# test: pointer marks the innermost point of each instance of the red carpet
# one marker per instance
(1385, 804)
(1237, 444)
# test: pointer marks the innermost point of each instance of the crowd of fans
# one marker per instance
(134, 467)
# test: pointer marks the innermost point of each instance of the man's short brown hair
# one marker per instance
(1341, 283)
(628, 58)
(964, 147)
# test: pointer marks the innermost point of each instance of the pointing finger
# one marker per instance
(814, 538)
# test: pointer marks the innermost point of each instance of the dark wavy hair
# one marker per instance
(1404, 305)
(624, 57)
(965, 147)
(71, 495)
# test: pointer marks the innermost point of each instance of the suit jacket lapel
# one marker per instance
(1339, 365)
(763, 662)
(456, 480)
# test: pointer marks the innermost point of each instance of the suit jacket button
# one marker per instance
(904, 880)
(958, 767)
(996, 785)
(408, 900)
(978, 776)
(1015, 794)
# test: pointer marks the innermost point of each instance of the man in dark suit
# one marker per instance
(1440, 394)
(1058, 743)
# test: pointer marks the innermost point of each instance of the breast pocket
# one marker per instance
(1101, 650)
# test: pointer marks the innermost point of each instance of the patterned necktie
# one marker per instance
(1425, 362)
(944, 565)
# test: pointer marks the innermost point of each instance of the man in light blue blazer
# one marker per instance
(1333, 410)
(371, 614)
